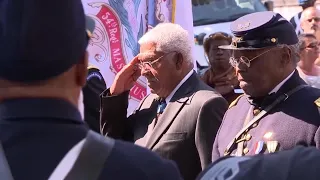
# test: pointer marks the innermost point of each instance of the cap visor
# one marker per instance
(230, 47)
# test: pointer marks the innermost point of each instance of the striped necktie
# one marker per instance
(161, 106)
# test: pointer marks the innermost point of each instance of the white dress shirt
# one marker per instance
(178, 86)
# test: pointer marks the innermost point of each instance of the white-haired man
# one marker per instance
(310, 21)
(179, 120)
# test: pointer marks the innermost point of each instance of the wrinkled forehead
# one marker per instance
(147, 55)
(311, 13)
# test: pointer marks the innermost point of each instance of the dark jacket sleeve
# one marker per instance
(95, 85)
(208, 123)
(113, 118)
(129, 161)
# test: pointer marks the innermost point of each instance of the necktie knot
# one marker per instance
(162, 105)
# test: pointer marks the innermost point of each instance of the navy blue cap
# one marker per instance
(295, 164)
(260, 30)
(40, 39)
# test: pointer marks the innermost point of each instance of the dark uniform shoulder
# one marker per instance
(138, 163)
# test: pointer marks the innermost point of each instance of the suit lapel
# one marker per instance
(177, 102)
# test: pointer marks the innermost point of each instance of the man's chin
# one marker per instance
(247, 88)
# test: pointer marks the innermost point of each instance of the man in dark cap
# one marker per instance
(294, 164)
(278, 110)
(44, 67)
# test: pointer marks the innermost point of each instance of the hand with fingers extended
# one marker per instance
(126, 77)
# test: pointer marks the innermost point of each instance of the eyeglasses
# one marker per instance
(147, 65)
(235, 62)
(314, 45)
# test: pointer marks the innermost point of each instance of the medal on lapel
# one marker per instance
(272, 146)
(259, 146)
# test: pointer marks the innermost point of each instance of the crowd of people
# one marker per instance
(254, 113)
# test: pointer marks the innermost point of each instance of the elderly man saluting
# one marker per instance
(278, 110)
(180, 118)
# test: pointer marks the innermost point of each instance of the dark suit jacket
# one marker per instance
(185, 131)
(37, 133)
(293, 121)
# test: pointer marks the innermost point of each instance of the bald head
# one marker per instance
(310, 20)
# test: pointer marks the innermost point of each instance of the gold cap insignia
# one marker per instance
(273, 40)
(235, 41)
(244, 25)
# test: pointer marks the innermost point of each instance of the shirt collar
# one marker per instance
(39, 108)
(178, 86)
(276, 89)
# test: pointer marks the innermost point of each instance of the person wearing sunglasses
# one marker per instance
(181, 116)
(220, 75)
(309, 52)
(278, 110)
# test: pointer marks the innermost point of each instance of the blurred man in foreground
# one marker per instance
(295, 164)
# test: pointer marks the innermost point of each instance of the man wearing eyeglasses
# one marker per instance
(278, 110)
(181, 116)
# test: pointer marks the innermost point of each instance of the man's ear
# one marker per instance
(82, 71)
(179, 61)
(287, 55)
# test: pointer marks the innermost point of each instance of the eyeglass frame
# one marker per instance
(141, 65)
(234, 62)
(315, 47)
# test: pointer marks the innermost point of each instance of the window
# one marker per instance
(218, 11)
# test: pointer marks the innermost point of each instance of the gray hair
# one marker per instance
(295, 51)
(169, 37)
